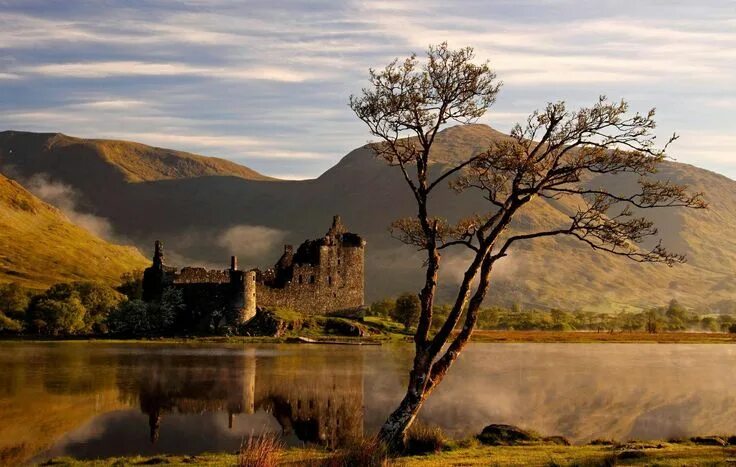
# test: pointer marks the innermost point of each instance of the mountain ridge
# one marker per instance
(198, 219)
(136, 161)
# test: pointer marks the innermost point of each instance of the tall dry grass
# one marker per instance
(260, 451)
(365, 452)
(424, 439)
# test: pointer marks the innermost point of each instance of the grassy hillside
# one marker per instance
(39, 246)
(133, 162)
(193, 214)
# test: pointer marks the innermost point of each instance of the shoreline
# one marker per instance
(481, 336)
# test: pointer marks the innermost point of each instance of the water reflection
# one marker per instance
(310, 399)
(95, 400)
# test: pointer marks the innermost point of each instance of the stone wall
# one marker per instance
(334, 283)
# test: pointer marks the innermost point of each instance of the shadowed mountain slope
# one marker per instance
(204, 219)
(39, 246)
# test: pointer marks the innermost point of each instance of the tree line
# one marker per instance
(405, 310)
(89, 308)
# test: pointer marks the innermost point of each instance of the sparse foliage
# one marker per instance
(551, 156)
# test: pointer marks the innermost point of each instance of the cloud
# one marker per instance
(107, 69)
(65, 198)
(113, 104)
(253, 244)
(271, 80)
(706, 146)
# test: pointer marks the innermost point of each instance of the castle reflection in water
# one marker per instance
(323, 406)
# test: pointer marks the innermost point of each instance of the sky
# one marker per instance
(266, 83)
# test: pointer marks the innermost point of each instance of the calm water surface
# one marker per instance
(94, 400)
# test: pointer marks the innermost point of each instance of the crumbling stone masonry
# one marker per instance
(323, 275)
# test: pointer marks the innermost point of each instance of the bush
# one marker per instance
(131, 284)
(99, 300)
(344, 327)
(382, 308)
(407, 310)
(169, 308)
(14, 300)
(131, 318)
(260, 451)
(8, 325)
(368, 452)
(61, 316)
(424, 439)
(72, 308)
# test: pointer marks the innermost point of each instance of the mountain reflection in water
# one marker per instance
(99, 400)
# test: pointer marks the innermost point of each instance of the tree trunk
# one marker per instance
(394, 430)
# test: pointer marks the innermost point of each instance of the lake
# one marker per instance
(93, 400)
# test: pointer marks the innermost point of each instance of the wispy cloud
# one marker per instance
(136, 68)
(269, 80)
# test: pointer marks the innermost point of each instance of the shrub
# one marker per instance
(424, 439)
(61, 316)
(99, 300)
(368, 452)
(14, 300)
(382, 308)
(131, 284)
(170, 307)
(8, 325)
(407, 310)
(73, 308)
(131, 318)
(260, 451)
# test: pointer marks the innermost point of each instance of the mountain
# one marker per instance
(39, 246)
(108, 160)
(204, 217)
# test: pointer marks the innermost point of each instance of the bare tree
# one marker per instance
(548, 156)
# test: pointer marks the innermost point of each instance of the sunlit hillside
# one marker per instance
(39, 246)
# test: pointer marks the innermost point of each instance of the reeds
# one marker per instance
(260, 450)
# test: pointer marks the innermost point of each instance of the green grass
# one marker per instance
(662, 454)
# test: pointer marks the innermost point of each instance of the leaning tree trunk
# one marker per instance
(426, 373)
(394, 430)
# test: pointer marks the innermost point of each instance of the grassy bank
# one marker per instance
(664, 454)
(395, 336)
(615, 337)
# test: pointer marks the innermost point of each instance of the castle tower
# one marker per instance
(158, 254)
(243, 293)
(154, 276)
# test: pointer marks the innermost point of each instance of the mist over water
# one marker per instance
(96, 400)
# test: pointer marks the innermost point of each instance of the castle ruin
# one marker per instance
(322, 276)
